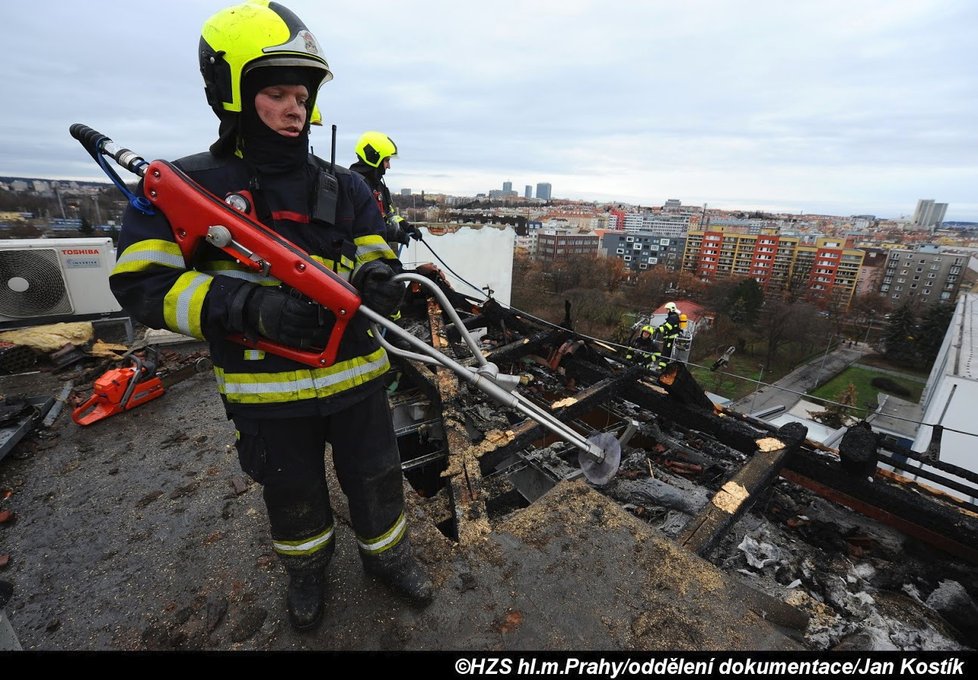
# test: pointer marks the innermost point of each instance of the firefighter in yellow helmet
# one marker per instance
(643, 347)
(374, 152)
(668, 330)
(262, 71)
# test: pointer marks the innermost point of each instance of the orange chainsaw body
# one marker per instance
(109, 394)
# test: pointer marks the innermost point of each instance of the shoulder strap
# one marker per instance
(199, 162)
(320, 164)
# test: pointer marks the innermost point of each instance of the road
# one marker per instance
(789, 390)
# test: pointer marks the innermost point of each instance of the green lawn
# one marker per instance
(861, 378)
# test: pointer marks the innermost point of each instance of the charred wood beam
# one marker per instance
(529, 431)
(463, 478)
(682, 386)
(732, 432)
(656, 492)
(707, 446)
(740, 493)
(524, 346)
(928, 520)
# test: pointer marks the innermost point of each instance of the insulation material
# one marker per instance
(107, 350)
(52, 337)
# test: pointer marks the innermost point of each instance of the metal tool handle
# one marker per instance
(513, 399)
(447, 307)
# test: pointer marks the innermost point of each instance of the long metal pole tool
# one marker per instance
(196, 216)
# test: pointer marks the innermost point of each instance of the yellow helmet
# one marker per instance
(648, 329)
(251, 35)
(373, 147)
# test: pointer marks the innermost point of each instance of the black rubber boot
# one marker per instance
(304, 599)
(400, 571)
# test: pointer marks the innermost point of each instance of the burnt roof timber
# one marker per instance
(735, 434)
(463, 478)
(740, 493)
(524, 346)
(529, 431)
(914, 514)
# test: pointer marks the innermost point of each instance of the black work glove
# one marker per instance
(399, 230)
(283, 317)
(409, 230)
(377, 289)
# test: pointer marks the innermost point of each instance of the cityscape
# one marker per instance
(834, 258)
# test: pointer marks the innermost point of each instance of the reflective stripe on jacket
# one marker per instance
(158, 288)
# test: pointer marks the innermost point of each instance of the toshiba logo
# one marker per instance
(80, 251)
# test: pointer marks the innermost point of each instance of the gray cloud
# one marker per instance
(857, 107)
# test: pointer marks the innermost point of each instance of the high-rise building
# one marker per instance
(507, 186)
(642, 250)
(928, 213)
(528, 192)
(543, 191)
(657, 223)
(827, 270)
(927, 275)
(560, 245)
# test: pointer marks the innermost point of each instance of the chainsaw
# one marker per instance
(198, 216)
(126, 387)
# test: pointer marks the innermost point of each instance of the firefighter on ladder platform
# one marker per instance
(262, 70)
(668, 331)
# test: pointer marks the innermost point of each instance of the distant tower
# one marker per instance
(507, 186)
(543, 191)
(528, 192)
(922, 215)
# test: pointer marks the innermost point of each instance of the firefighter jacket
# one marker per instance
(644, 344)
(382, 196)
(161, 290)
(670, 329)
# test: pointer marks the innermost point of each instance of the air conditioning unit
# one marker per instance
(48, 280)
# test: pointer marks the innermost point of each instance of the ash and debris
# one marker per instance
(865, 586)
(142, 534)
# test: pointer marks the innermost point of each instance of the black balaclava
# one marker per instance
(264, 148)
(372, 175)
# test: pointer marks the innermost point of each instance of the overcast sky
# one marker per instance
(844, 107)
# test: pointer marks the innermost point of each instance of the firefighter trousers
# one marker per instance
(287, 457)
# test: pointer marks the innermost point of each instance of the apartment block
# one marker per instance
(558, 245)
(643, 250)
(826, 269)
(926, 275)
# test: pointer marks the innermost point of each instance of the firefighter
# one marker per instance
(643, 347)
(374, 152)
(262, 70)
(668, 331)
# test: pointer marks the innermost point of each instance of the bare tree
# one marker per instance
(782, 322)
